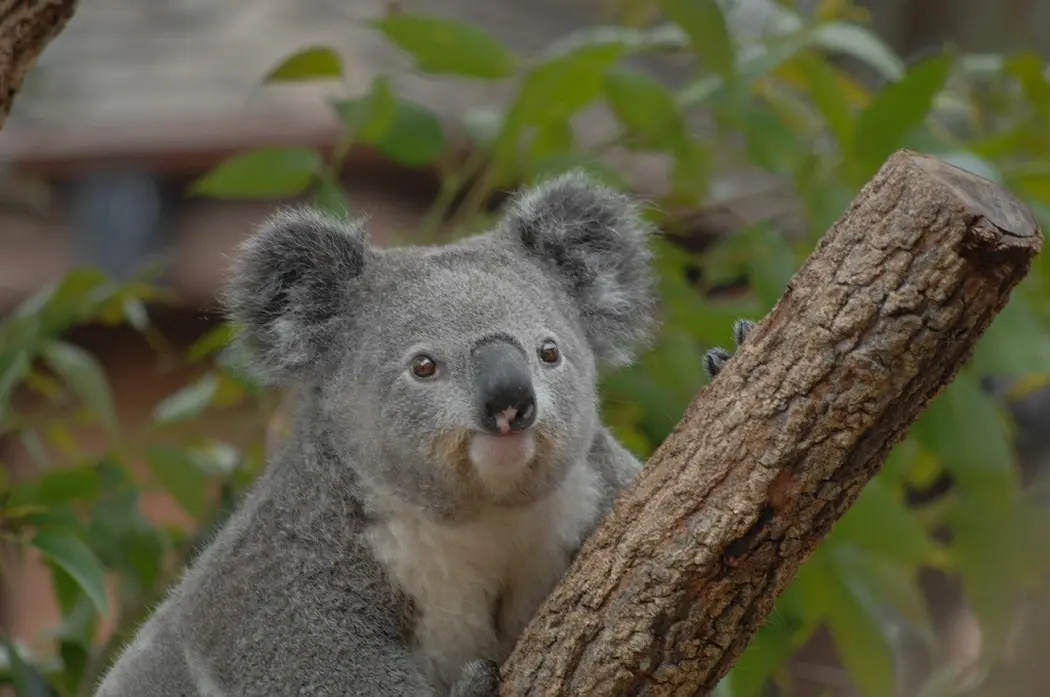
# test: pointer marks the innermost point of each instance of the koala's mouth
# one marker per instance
(498, 467)
(501, 454)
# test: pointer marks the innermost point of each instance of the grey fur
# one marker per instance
(380, 554)
(716, 358)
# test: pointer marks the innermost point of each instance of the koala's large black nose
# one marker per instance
(504, 387)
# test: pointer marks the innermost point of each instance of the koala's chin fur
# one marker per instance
(447, 458)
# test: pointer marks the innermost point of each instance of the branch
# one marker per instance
(26, 28)
(668, 591)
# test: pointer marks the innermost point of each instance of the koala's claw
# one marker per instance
(715, 359)
(479, 678)
(741, 328)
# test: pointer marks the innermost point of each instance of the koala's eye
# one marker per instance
(549, 352)
(423, 366)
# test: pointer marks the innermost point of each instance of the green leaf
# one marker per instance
(692, 169)
(1016, 343)
(27, 680)
(769, 261)
(188, 402)
(969, 432)
(369, 117)
(213, 340)
(553, 165)
(883, 126)
(180, 477)
(135, 313)
(659, 405)
(551, 140)
(262, 173)
(56, 487)
(825, 89)
(34, 446)
(861, 43)
(330, 198)
(706, 26)
(661, 37)
(880, 523)
(122, 538)
(483, 126)
(85, 376)
(57, 305)
(311, 63)
(555, 90)
(645, 107)
(1031, 180)
(79, 619)
(767, 652)
(415, 138)
(1001, 554)
(770, 143)
(74, 655)
(445, 47)
(14, 366)
(65, 550)
(216, 459)
(859, 638)
(412, 136)
(883, 581)
(1030, 71)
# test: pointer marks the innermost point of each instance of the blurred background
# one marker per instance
(152, 136)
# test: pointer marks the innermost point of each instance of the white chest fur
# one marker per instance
(460, 576)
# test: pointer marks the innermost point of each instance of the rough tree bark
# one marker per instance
(673, 585)
(26, 28)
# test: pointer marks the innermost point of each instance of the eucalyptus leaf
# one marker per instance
(14, 366)
(558, 88)
(25, 678)
(881, 524)
(857, 631)
(646, 108)
(85, 376)
(446, 47)
(861, 43)
(408, 133)
(68, 552)
(56, 487)
(188, 402)
(969, 432)
(263, 173)
(773, 644)
(310, 63)
(182, 478)
(883, 125)
(330, 198)
(708, 31)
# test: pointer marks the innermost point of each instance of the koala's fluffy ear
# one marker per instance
(290, 287)
(595, 241)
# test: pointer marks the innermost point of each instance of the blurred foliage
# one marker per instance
(783, 102)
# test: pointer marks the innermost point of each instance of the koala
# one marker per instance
(445, 462)
(716, 358)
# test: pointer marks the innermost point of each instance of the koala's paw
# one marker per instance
(479, 678)
(715, 359)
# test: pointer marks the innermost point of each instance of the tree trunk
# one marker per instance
(26, 28)
(671, 587)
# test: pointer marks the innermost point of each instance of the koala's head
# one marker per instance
(461, 376)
